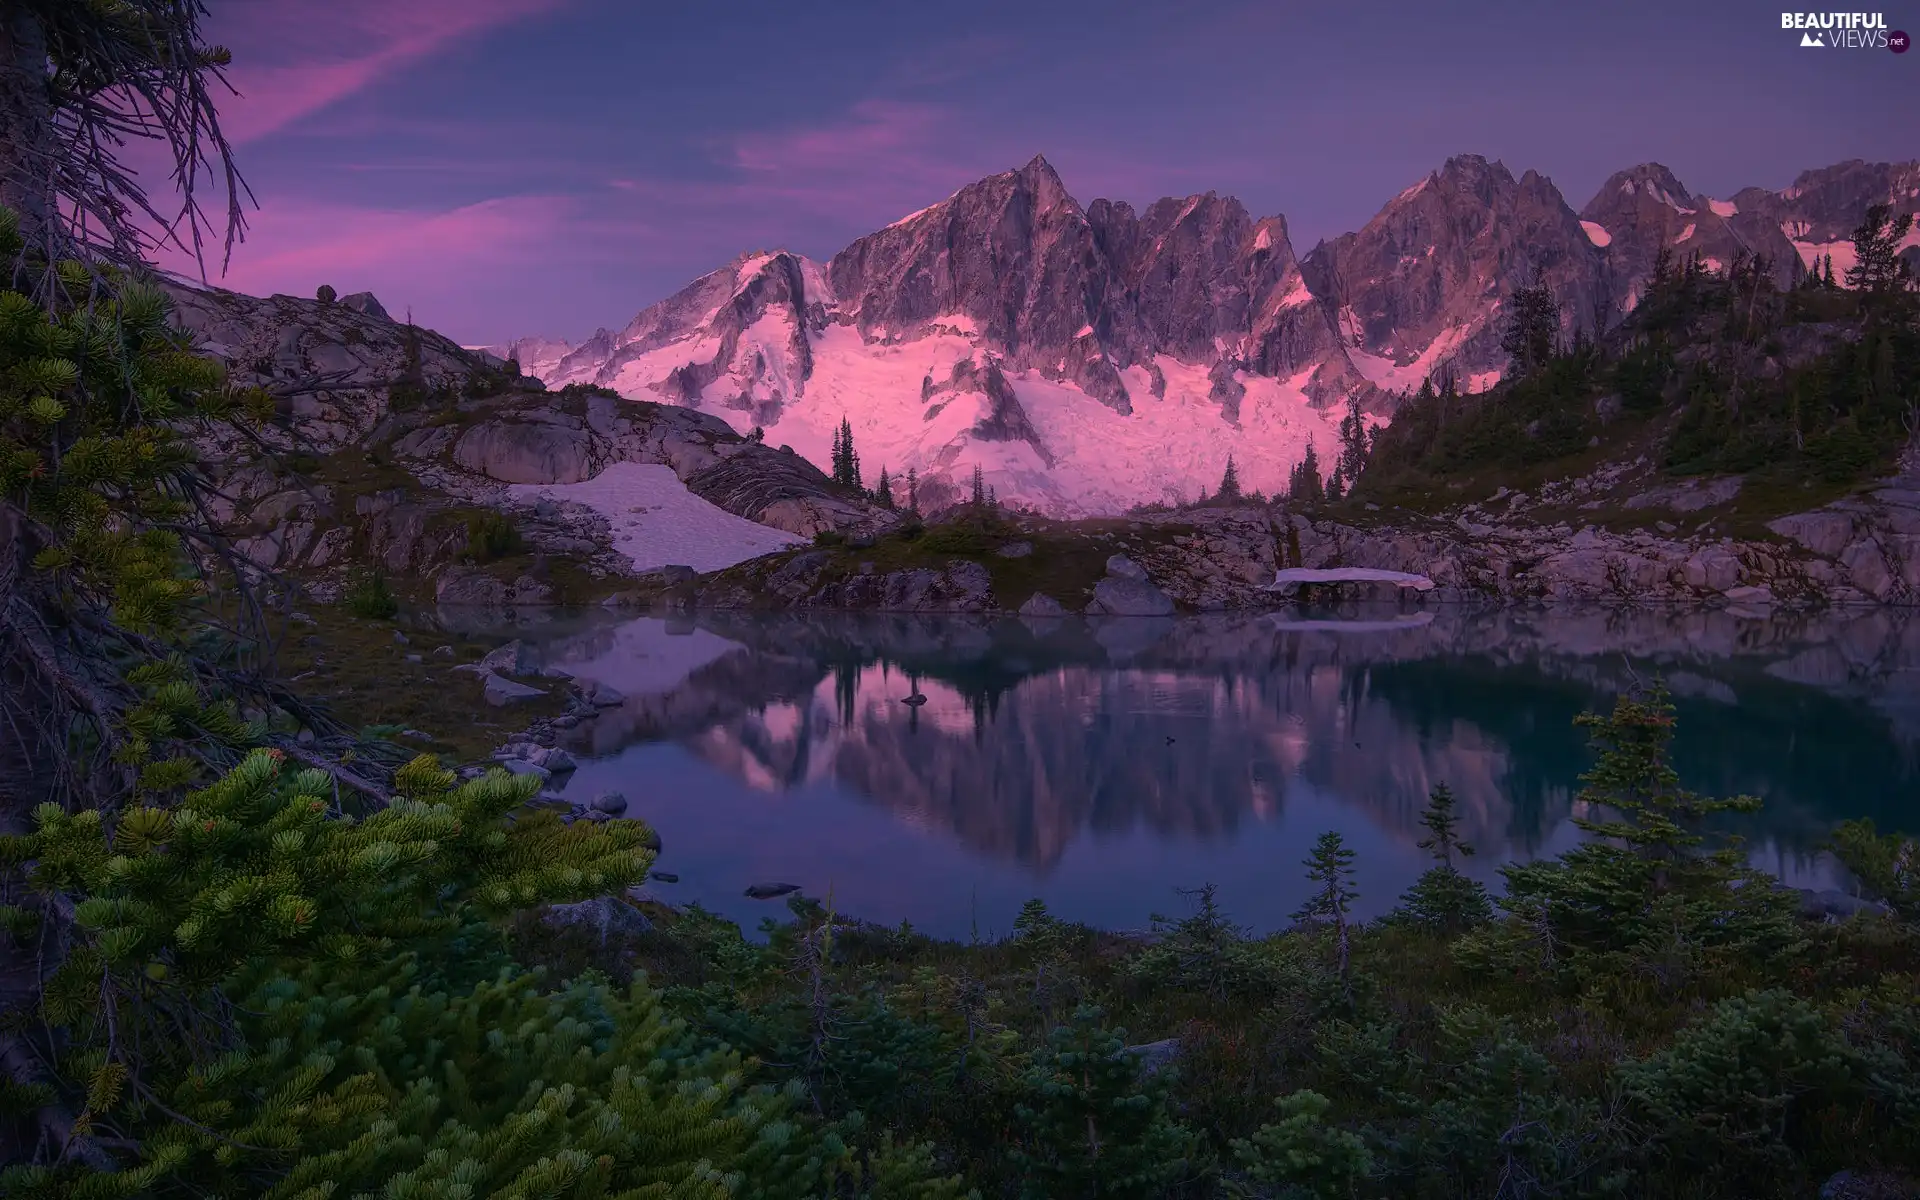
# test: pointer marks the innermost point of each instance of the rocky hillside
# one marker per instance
(1505, 547)
(1090, 357)
(394, 448)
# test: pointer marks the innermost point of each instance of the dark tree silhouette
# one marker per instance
(79, 82)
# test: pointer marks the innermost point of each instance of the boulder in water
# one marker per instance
(500, 692)
(770, 891)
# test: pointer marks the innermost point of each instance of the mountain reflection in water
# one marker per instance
(1102, 764)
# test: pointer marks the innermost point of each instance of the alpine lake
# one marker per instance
(942, 770)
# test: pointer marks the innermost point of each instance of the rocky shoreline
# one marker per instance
(1863, 550)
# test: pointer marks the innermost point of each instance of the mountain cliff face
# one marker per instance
(1417, 291)
(1644, 209)
(1088, 358)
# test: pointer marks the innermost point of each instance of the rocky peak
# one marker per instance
(1416, 290)
(1649, 183)
(1015, 255)
(1471, 175)
(1184, 267)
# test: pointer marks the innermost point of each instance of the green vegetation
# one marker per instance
(371, 599)
(492, 535)
(845, 460)
(1066, 559)
(324, 996)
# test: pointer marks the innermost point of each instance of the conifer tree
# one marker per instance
(1301, 1155)
(1532, 328)
(1330, 868)
(883, 490)
(1443, 899)
(1353, 444)
(978, 497)
(1879, 271)
(246, 1007)
(1826, 280)
(1642, 878)
(913, 491)
(1229, 492)
(1662, 277)
(1304, 483)
(845, 460)
(1094, 1123)
(1443, 824)
(84, 81)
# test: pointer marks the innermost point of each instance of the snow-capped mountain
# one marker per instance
(1092, 358)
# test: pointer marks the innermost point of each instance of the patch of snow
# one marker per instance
(1169, 449)
(813, 279)
(749, 267)
(955, 323)
(1297, 294)
(1597, 233)
(915, 214)
(657, 522)
(1723, 208)
(1188, 210)
(1351, 330)
(1712, 264)
(1264, 239)
(1085, 331)
(1480, 381)
(1385, 373)
(1685, 233)
(1842, 252)
(1415, 190)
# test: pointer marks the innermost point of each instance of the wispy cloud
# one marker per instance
(447, 265)
(295, 57)
(878, 155)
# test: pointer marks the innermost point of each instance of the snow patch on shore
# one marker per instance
(657, 522)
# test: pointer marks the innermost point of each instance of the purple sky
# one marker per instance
(511, 167)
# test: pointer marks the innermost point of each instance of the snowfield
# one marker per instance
(657, 522)
(1170, 448)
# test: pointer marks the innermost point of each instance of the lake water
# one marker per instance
(1101, 766)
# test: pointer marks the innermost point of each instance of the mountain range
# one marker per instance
(1088, 358)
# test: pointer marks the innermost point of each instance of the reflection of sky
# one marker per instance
(721, 834)
(1102, 789)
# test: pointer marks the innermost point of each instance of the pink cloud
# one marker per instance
(296, 57)
(435, 262)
